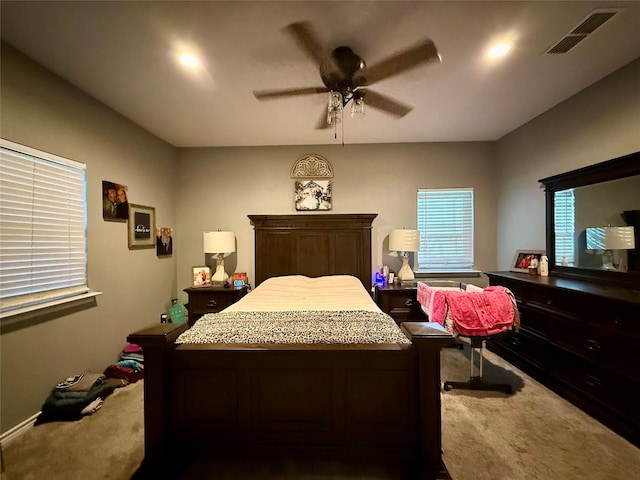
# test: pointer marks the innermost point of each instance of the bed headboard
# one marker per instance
(313, 245)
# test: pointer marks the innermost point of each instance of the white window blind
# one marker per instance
(43, 246)
(565, 218)
(445, 221)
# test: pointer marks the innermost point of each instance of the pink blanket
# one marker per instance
(484, 313)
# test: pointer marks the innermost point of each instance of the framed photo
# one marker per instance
(115, 203)
(522, 260)
(164, 241)
(313, 195)
(141, 226)
(201, 276)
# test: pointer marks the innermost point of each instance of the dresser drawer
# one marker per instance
(560, 303)
(534, 320)
(614, 391)
(618, 318)
(605, 348)
(526, 347)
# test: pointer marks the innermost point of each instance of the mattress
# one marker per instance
(298, 292)
(300, 310)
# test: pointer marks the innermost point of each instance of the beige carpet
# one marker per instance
(532, 434)
(106, 445)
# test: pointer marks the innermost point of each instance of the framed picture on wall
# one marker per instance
(141, 226)
(115, 204)
(164, 241)
(523, 258)
(313, 195)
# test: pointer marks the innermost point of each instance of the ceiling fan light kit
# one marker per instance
(345, 76)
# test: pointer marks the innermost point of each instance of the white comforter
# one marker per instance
(298, 309)
(297, 292)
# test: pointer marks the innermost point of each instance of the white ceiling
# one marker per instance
(123, 54)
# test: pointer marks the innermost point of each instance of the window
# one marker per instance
(564, 215)
(445, 221)
(43, 244)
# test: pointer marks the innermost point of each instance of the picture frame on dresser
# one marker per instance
(201, 276)
(522, 258)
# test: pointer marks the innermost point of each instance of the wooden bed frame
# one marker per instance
(342, 401)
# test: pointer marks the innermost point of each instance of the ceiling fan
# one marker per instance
(346, 77)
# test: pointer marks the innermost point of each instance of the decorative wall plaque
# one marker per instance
(312, 166)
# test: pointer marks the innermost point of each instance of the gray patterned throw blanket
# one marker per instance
(352, 326)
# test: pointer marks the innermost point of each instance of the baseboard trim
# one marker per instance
(18, 430)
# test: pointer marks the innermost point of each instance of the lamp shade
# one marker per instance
(610, 238)
(404, 240)
(219, 242)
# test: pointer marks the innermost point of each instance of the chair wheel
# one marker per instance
(508, 389)
(446, 387)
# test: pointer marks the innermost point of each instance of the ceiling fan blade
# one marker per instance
(384, 103)
(412, 57)
(291, 92)
(306, 37)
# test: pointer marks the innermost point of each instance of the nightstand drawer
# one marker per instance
(205, 300)
(399, 302)
(210, 302)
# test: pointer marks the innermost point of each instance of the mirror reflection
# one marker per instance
(598, 226)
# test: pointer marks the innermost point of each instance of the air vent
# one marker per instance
(586, 27)
(566, 44)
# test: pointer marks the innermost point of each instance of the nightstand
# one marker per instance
(204, 300)
(399, 302)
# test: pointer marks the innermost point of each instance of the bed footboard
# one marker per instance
(335, 400)
(156, 341)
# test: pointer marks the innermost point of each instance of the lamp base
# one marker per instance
(220, 275)
(608, 261)
(405, 273)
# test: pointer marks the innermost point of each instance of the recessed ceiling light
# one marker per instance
(189, 60)
(499, 50)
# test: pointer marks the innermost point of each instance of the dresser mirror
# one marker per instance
(593, 222)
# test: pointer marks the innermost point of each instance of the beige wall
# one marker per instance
(219, 187)
(600, 123)
(44, 112)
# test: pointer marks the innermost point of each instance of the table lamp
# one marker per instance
(404, 241)
(609, 239)
(221, 245)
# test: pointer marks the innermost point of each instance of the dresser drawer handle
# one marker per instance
(592, 345)
(592, 381)
(549, 302)
(409, 303)
(515, 341)
(212, 303)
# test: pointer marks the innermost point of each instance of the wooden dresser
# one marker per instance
(582, 340)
